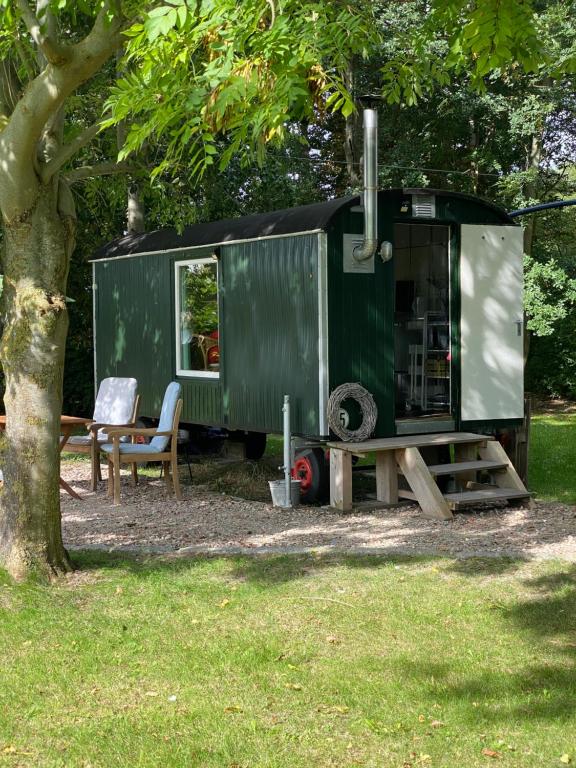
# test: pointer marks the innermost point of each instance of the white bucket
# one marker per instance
(278, 491)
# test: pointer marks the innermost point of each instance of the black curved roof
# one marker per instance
(303, 218)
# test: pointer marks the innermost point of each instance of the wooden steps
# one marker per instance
(479, 496)
(458, 467)
(473, 454)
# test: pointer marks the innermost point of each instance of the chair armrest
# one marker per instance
(95, 426)
(117, 431)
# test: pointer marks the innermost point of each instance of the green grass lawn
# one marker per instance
(296, 661)
(552, 474)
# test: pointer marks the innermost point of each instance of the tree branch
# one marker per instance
(102, 169)
(67, 152)
(54, 52)
(42, 98)
(26, 59)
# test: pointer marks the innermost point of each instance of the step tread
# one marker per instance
(465, 466)
(410, 441)
(486, 494)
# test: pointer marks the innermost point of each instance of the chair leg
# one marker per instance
(116, 481)
(95, 456)
(166, 467)
(176, 476)
(134, 473)
(110, 478)
(99, 468)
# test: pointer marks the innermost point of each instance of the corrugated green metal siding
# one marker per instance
(269, 338)
(268, 334)
(134, 329)
(361, 321)
(135, 335)
(203, 403)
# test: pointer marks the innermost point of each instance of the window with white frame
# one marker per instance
(197, 342)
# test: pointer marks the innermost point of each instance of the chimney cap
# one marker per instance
(370, 100)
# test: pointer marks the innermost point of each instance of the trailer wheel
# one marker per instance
(311, 469)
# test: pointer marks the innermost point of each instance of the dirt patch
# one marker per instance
(148, 520)
(552, 407)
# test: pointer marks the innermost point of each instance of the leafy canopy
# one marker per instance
(197, 70)
(478, 40)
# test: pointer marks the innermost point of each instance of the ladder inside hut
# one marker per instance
(479, 469)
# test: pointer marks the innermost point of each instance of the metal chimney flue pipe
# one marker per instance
(370, 243)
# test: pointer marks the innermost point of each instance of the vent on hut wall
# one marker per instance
(423, 206)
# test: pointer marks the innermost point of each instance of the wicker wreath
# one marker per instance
(367, 407)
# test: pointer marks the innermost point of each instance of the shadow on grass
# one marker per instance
(272, 569)
(550, 614)
(486, 566)
(546, 621)
(538, 685)
(262, 570)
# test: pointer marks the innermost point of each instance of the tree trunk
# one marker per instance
(135, 211)
(350, 137)
(37, 249)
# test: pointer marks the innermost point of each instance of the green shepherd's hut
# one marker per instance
(422, 306)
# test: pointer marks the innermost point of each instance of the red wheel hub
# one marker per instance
(302, 470)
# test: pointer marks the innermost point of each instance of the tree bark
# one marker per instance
(135, 224)
(350, 137)
(38, 219)
(37, 250)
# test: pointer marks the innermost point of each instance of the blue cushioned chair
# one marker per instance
(162, 446)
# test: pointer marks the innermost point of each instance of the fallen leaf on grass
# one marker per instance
(10, 749)
(293, 686)
(333, 640)
(566, 759)
(332, 710)
(232, 709)
(224, 603)
(437, 724)
(490, 753)
(151, 693)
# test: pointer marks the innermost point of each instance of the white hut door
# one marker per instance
(491, 331)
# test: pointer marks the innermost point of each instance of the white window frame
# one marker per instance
(177, 266)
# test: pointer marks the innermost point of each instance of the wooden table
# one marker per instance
(67, 424)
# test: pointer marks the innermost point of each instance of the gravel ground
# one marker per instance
(149, 520)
